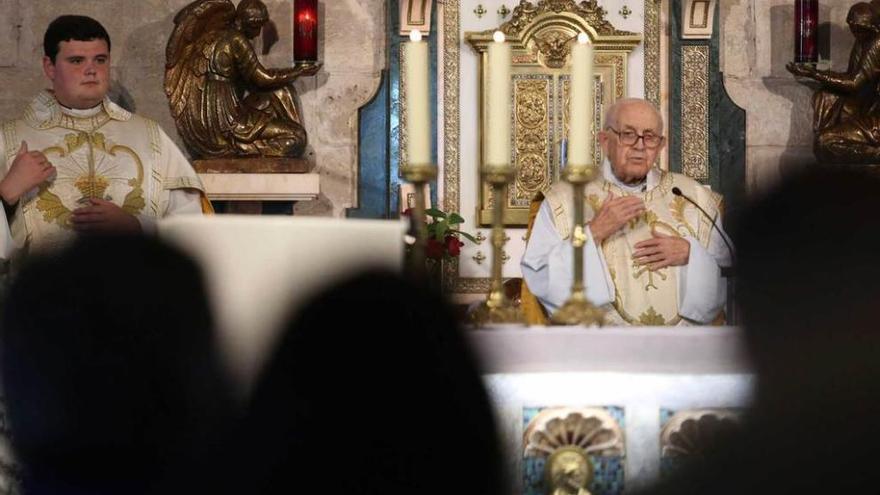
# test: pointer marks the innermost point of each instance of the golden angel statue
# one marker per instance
(846, 105)
(224, 102)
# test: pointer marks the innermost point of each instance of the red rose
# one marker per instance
(453, 245)
(434, 249)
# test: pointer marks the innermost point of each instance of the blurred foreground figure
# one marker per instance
(372, 390)
(809, 289)
(109, 371)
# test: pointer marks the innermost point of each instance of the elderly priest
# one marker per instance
(660, 256)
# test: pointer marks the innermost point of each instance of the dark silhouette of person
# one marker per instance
(109, 370)
(809, 290)
(372, 390)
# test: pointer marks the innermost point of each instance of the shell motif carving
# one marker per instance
(698, 434)
(592, 430)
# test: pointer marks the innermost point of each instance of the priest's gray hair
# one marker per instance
(614, 110)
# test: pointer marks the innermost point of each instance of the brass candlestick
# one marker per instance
(577, 310)
(497, 308)
(418, 176)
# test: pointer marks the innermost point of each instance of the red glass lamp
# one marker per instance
(806, 27)
(305, 30)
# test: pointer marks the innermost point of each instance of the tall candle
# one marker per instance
(580, 138)
(498, 121)
(418, 117)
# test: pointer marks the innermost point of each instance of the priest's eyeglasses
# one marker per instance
(630, 138)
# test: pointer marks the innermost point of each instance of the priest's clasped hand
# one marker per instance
(661, 251)
(102, 216)
(614, 213)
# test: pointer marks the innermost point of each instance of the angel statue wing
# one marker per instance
(186, 62)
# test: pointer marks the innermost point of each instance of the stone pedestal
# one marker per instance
(259, 165)
(271, 187)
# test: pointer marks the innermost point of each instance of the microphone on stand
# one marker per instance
(676, 191)
(726, 271)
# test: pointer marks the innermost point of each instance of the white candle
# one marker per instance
(418, 114)
(580, 138)
(498, 121)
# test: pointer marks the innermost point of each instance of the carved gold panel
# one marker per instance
(695, 111)
(540, 35)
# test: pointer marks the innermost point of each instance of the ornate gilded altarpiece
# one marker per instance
(541, 37)
(538, 30)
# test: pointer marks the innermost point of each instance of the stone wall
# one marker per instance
(757, 40)
(351, 48)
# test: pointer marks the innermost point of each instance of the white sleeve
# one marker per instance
(7, 245)
(702, 291)
(547, 266)
(180, 202)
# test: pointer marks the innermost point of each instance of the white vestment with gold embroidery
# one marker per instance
(632, 294)
(105, 152)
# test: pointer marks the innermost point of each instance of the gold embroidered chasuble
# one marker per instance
(642, 296)
(107, 153)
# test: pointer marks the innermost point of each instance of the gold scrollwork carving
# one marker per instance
(402, 125)
(532, 111)
(531, 102)
(618, 62)
(695, 111)
(652, 51)
(526, 12)
(451, 126)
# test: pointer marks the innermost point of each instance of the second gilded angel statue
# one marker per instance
(224, 102)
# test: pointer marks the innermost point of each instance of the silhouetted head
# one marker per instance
(373, 390)
(809, 281)
(808, 284)
(108, 367)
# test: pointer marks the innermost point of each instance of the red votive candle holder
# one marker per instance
(806, 27)
(305, 30)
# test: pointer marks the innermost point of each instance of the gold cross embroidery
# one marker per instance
(651, 273)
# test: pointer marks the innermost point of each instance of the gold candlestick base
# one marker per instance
(496, 309)
(578, 310)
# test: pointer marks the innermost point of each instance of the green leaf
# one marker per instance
(455, 218)
(468, 237)
(442, 228)
(434, 212)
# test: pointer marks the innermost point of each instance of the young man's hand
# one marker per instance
(102, 216)
(29, 169)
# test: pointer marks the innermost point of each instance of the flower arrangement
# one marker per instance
(444, 234)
